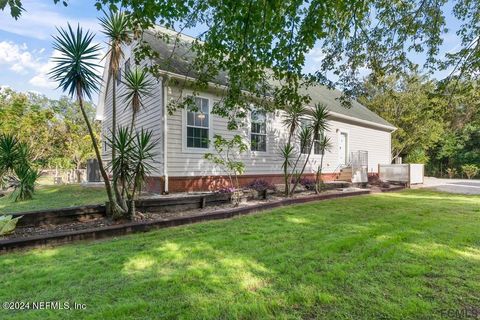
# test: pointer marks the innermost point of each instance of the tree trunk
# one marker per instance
(120, 199)
(304, 165)
(319, 179)
(115, 209)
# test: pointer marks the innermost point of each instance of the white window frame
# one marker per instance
(315, 141)
(260, 134)
(301, 127)
(187, 149)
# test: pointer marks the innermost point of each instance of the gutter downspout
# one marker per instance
(165, 135)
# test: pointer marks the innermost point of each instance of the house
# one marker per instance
(179, 162)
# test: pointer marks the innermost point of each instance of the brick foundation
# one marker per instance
(212, 183)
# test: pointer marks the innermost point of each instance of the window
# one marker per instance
(127, 65)
(198, 124)
(317, 146)
(305, 145)
(258, 141)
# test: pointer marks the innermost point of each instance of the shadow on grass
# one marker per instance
(382, 256)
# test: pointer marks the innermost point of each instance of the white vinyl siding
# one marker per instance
(184, 161)
(149, 118)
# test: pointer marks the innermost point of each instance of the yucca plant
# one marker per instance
(319, 117)
(138, 85)
(115, 28)
(292, 119)
(75, 73)
(134, 152)
(16, 168)
(287, 153)
(324, 145)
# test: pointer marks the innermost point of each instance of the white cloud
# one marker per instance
(17, 57)
(40, 20)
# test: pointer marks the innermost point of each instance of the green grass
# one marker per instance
(48, 197)
(407, 255)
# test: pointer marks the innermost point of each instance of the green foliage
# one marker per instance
(417, 156)
(7, 224)
(53, 129)
(16, 169)
(409, 103)
(451, 172)
(138, 85)
(324, 145)
(308, 126)
(470, 170)
(135, 152)
(75, 66)
(226, 156)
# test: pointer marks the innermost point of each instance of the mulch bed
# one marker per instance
(150, 219)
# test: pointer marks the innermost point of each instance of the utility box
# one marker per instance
(93, 171)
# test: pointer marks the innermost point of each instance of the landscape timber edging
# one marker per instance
(143, 226)
(40, 217)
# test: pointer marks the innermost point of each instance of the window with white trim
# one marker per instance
(317, 148)
(305, 148)
(198, 124)
(258, 135)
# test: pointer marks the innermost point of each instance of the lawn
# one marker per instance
(408, 255)
(48, 197)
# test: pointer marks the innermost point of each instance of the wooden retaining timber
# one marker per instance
(59, 216)
(143, 226)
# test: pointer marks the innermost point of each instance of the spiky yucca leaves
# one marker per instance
(115, 27)
(138, 85)
(318, 116)
(75, 73)
(134, 152)
(16, 169)
(75, 67)
(287, 153)
(292, 119)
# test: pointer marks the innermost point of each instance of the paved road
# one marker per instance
(453, 185)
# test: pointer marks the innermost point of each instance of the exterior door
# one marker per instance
(342, 148)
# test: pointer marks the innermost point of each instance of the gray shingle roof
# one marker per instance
(176, 55)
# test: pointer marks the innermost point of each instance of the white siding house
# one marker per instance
(180, 163)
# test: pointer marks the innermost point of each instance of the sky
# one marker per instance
(26, 44)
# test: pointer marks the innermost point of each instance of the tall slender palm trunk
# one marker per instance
(115, 210)
(118, 195)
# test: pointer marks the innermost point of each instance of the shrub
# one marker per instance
(226, 190)
(307, 183)
(451, 172)
(470, 170)
(261, 185)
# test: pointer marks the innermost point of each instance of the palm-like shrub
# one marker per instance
(138, 85)
(324, 145)
(135, 152)
(16, 169)
(307, 137)
(115, 28)
(470, 170)
(75, 73)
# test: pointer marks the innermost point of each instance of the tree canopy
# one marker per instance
(53, 129)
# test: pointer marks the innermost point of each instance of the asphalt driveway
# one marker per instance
(453, 185)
